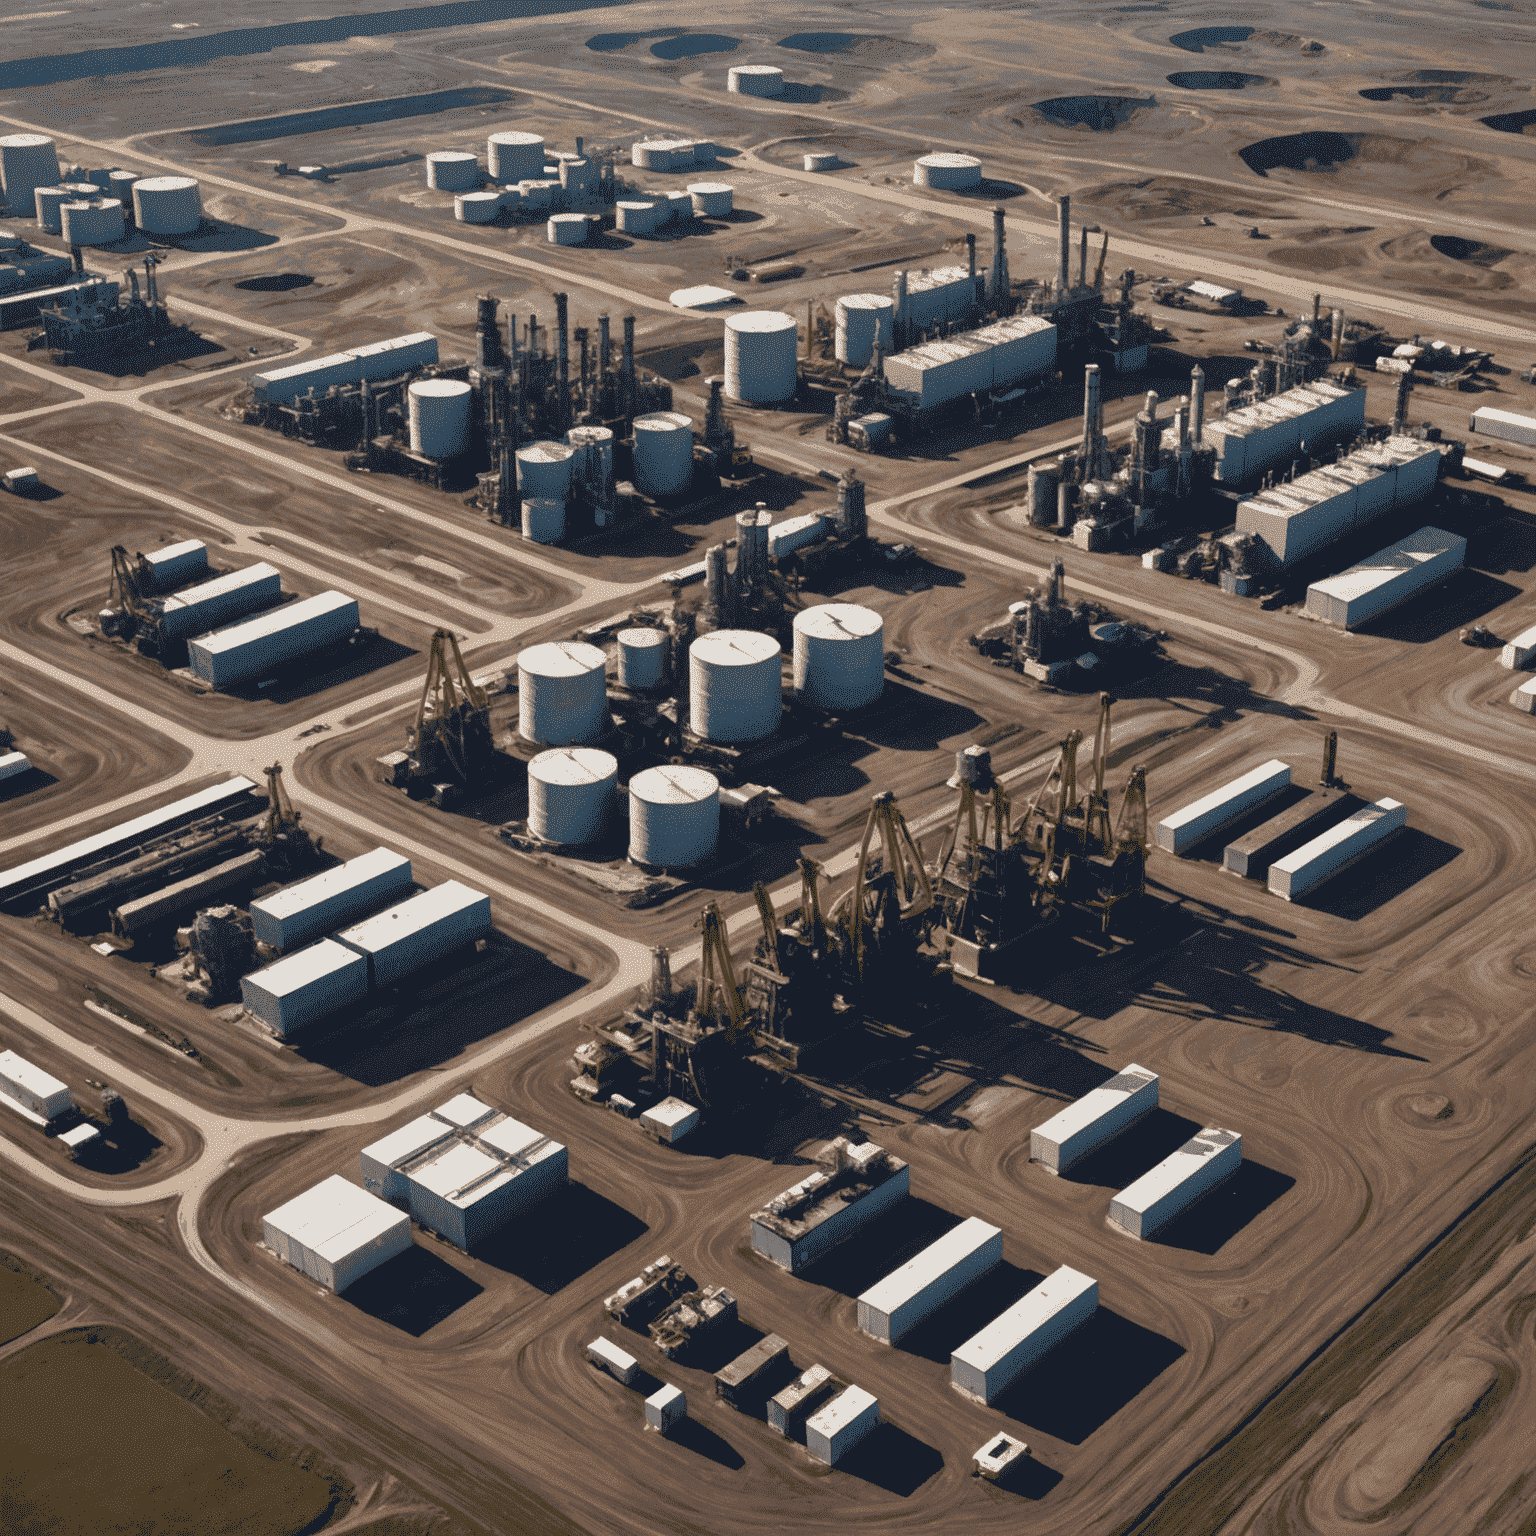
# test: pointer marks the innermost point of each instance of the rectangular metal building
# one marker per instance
(300, 989)
(1023, 347)
(176, 563)
(281, 386)
(1333, 851)
(143, 912)
(1268, 434)
(386, 359)
(1488, 421)
(945, 293)
(1251, 855)
(833, 1431)
(472, 1186)
(937, 372)
(1206, 816)
(618, 1363)
(1207, 1159)
(335, 1233)
(13, 765)
(746, 1381)
(989, 1362)
(1521, 651)
(895, 1305)
(384, 1160)
(1524, 697)
(788, 1410)
(220, 601)
(1307, 514)
(424, 928)
(254, 648)
(298, 913)
(1391, 576)
(1087, 1123)
(35, 1090)
(812, 1217)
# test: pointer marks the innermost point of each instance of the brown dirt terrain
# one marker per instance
(26, 1302)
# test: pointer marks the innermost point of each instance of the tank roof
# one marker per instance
(761, 322)
(838, 621)
(561, 658)
(734, 648)
(439, 387)
(574, 765)
(674, 784)
(865, 301)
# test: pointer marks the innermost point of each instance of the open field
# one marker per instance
(25, 1302)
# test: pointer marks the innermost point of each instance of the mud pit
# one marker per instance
(1198, 39)
(1218, 80)
(1103, 114)
(1358, 152)
(1511, 122)
(1434, 95)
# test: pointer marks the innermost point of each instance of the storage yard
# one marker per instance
(798, 755)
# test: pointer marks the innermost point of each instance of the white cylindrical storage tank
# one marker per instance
(101, 180)
(674, 816)
(679, 203)
(592, 457)
(642, 657)
(755, 80)
(712, 199)
(439, 416)
(511, 198)
(537, 195)
(477, 207)
(543, 520)
(651, 155)
(452, 170)
(570, 794)
(946, 170)
(663, 457)
(760, 356)
(821, 160)
(635, 218)
(514, 156)
(46, 202)
(27, 161)
(544, 470)
(567, 229)
(91, 221)
(862, 320)
(167, 205)
(120, 186)
(562, 693)
(734, 688)
(839, 656)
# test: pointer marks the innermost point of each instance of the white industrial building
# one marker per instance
(997, 357)
(931, 296)
(993, 1461)
(379, 360)
(304, 987)
(423, 928)
(254, 647)
(618, 1363)
(1301, 516)
(1524, 698)
(204, 607)
(1255, 439)
(1207, 1159)
(833, 1431)
(335, 1233)
(665, 1409)
(1332, 852)
(465, 1170)
(1203, 818)
(1089, 1122)
(39, 1093)
(1520, 652)
(989, 1362)
(175, 563)
(1391, 576)
(13, 765)
(324, 902)
(789, 1409)
(1509, 426)
(670, 1120)
(895, 1305)
(809, 1219)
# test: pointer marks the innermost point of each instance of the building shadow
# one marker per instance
(123, 1147)
(940, 1334)
(414, 1291)
(892, 1459)
(572, 1231)
(1089, 1377)
(325, 669)
(1463, 598)
(1028, 1479)
(27, 783)
(1506, 544)
(888, 1241)
(703, 1441)
(1214, 1219)
(808, 95)
(1399, 865)
(1134, 1151)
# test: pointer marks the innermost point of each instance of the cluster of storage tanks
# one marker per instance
(643, 213)
(735, 699)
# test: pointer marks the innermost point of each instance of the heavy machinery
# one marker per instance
(89, 325)
(793, 982)
(288, 847)
(448, 745)
(132, 611)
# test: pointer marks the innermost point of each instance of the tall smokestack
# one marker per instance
(1064, 217)
(1197, 406)
(899, 310)
(1400, 408)
(627, 367)
(1082, 259)
(1338, 331)
(1317, 311)
(1091, 422)
(970, 256)
(563, 343)
(998, 287)
(603, 350)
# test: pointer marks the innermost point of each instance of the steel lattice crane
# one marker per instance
(451, 734)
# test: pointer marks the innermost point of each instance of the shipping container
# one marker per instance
(1331, 852)
(1489, 421)
(430, 925)
(39, 1093)
(1524, 697)
(220, 601)
(1208, 1158)
(1089, 1122)
(176, 563)
(751, 1377)
(1251, 855)
(1205, 817)
(618, 1363)
(789, 1409)
(259, 646)
(665, 1409)
(1520, 652)
(1268, 434)
(199, 890)
(831, 1432)
(892, 1307)
(298, 913)
(1391, 576)
(384, 1159)
(670, 1120)
(13, 765)
(989, 1362)
(335, 1233)
(810, 1218)
(297, 991)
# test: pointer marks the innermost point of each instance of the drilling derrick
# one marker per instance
(288, 847)
(792, 980)
(451, 735)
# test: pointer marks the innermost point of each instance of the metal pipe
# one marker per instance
(1064, 232)
(1197, 406)
(627, 367)
(563, 344)
(603, 345)
(1082, 259)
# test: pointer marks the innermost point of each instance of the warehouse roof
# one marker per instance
(335, 1218)
(985, 1349)
(462, 1174)
(1082, 1112)
(413, 915)
(331, 882)
(1157, 1182)
(408, 1141)
(463, 1110)
(32, 1078)
(843, 1410)
(937, 1259)
(304, 967)
(806, 1205)
(274, 621)
(1278, 408)
(1387, 564)
(232, 581)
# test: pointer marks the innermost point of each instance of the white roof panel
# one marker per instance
(22, 1072)
(335, 1218)
(331, 882)
(304, 967)
(404, 1143)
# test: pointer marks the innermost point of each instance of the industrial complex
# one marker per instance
(767, 773)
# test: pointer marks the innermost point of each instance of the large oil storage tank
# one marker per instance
(120, 186)
(571, 794)
(947, 170)
(635, 218)
(562, 693)
(651, 155)
(439, 417)
(27, 161)
(839, 657)
(476, 207)
(674, 816)
(514, 156)
(755, 80)
(760, 356)
(663, 457)
(712, 199)
(642, 657)
(567, 229)
(452, 170)
(91, 221)
(46, 202)
(167, 205)
(862, 319)
(544, 470)
(735, 692)
(543, 520)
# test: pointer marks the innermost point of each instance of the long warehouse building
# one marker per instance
(39, 1093)
(426, 927)
(989, 1362)
(1190, 826)
(327, 901)
(998, 356)
(809, 1219)
(1210, 1157)
(335, 1233)
(1096, 1118)
(897, 1304)
(1331, 852)
(1389, 578)
(381, 360)
(296, 992)
(254, 648)
(1255, 439)
(220, 601)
